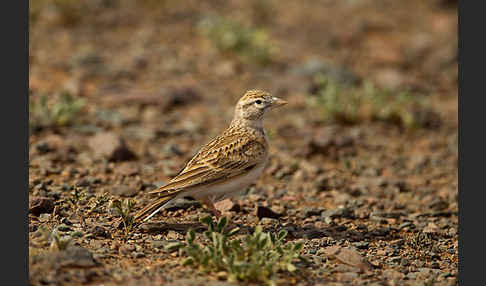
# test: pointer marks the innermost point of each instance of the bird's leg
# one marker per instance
(218, 215)
(209, 204)
(214, 211)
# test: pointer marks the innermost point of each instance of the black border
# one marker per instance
(471, 152)
(460, 94)
(14, 119)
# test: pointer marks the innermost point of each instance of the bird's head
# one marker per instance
(254, 103)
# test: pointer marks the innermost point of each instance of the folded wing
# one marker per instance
(224, 157)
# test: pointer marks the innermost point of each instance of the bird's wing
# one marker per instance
(224, 157)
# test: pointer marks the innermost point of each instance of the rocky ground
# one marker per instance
(123, 93)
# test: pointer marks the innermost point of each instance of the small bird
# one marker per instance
(227, 164)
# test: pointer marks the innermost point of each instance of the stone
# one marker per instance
(438, 205)
(126, 249)
(136, 254)
(100, 231)
(44, 217)
(158, 243)
(268, 221)
(406, 224)
(266, 212)
(182, 96)
(314, 233)
(110, 146)
(341, 212)
(309, 212)
(40, 205)
(390, 78)
(361, 244)
(73, 256)
(43, 147)
(124, 191)
(348, 256)
(225, 205)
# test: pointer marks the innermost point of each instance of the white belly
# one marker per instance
(226, 189)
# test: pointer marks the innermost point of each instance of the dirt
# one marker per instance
(375, 203)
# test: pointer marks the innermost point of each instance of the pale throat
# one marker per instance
(256, 124)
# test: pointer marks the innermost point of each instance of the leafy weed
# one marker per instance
(124, 209)
(352, 105)
(229, 36)
(61, 112)
(253, 258)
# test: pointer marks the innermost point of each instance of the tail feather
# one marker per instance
(151, 209)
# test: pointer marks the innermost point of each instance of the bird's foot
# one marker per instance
(214, 211)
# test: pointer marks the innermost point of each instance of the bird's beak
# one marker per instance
(276, 102)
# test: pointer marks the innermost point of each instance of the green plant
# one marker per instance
(420, 241)
(75, 198)
(58, 242)
(337, 105)
(397, 109)
(124, 210)
(250, 44)
(350, 105)
(62, 111)
(254, 257)
(100, 201)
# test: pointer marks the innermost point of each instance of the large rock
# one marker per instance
(348, 256)
(40, 205)
(124, 191)
(72, 257)
(110, 146)
(166, 99)
(267, 212)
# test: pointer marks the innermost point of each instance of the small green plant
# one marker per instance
(397, 109)
(254, 257)
(58, 242)
(420, 241)
(250, 44)
(100, 201)
(124, 209)
(76, 197)
(337, 105)
(350, 105)
(62, 111)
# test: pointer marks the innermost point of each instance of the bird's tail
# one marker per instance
(150, 210)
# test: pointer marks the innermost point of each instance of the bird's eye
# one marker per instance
(258, 102)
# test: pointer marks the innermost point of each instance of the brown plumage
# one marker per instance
(226, 164)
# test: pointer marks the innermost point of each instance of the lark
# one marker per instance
(227, 164)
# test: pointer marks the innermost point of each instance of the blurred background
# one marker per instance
(213, 51)
(123, 93)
